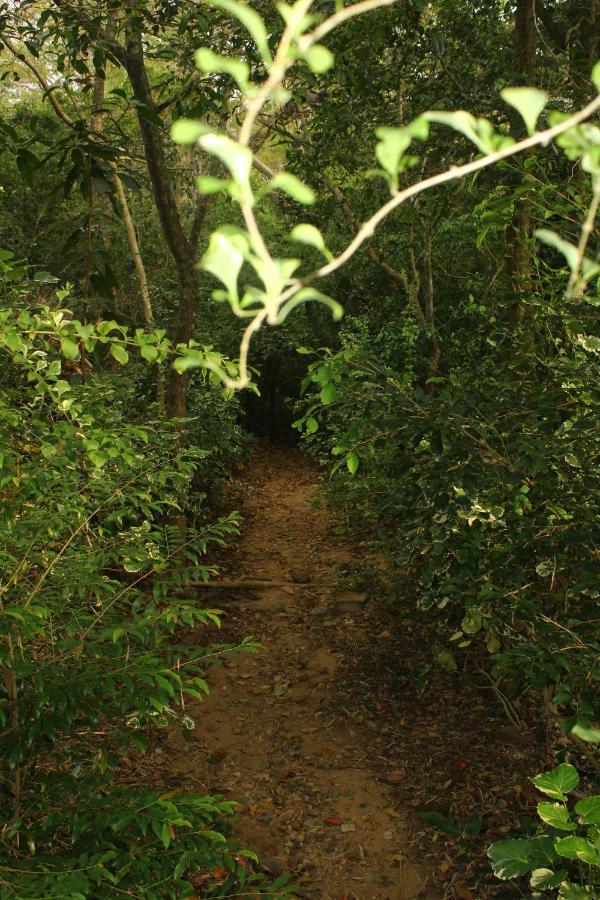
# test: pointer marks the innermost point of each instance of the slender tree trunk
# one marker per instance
(182, 250)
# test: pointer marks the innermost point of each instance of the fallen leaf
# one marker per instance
(396, 777)
(330, 820)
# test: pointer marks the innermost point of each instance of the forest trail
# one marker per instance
(274, 734)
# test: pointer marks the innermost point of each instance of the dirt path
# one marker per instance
(275, 734)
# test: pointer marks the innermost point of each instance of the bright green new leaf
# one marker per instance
(306, 294)
(292, 185)
(120, 353)
(224, 259)
(311, 425)
(148, 352)
(308, 234)
(236, 157)
(187, 131)
(209, 184)
(352, 462)
(69, 348)
(460, 120)
(251, 20)
(596, 76)
(558, 782)
(528, 101)
(584, 731)
(208, 61)
(393, 142)
(319, 59)
(556, 815)
(328, 393)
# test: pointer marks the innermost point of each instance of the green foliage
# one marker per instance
(94, 612)
(568, 865)
(472, 485)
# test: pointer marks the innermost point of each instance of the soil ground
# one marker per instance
(335, 735)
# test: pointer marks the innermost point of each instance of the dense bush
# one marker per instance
(93, 617)
(483, 481)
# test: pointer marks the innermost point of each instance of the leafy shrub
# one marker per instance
(93, 617)
(566, 856)
(486, 489)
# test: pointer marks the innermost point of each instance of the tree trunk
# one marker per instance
(182, 250)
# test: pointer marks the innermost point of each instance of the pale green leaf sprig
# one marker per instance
(528, 101)
(480, 131)
(209, 62)
(393, 144)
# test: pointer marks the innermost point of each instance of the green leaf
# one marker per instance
(208, 61)
(188, 131)
(556, 815)
(352, 462)
(570, 891)
(292, 185)
(306, 294)
(328, 393)
(308, 234)
(596, 76)
(236, 157)
(546, 879)
(573, 847)
(558, 782)
(69, 349)
(251, 20)
(517, 856)
(148, 352)
(588, 810)
(446, 660)
(511, 858)
(224, 258)
(393, 142)
(435, 819)
(98, 458)
(319, 59)
(208, 184)
(182, 866)
(311, 425)
(472, 622)
(119, 352)
(190, 359)
(583, 730)
(528, 101)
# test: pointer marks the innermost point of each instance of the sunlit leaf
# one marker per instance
(528, 101)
